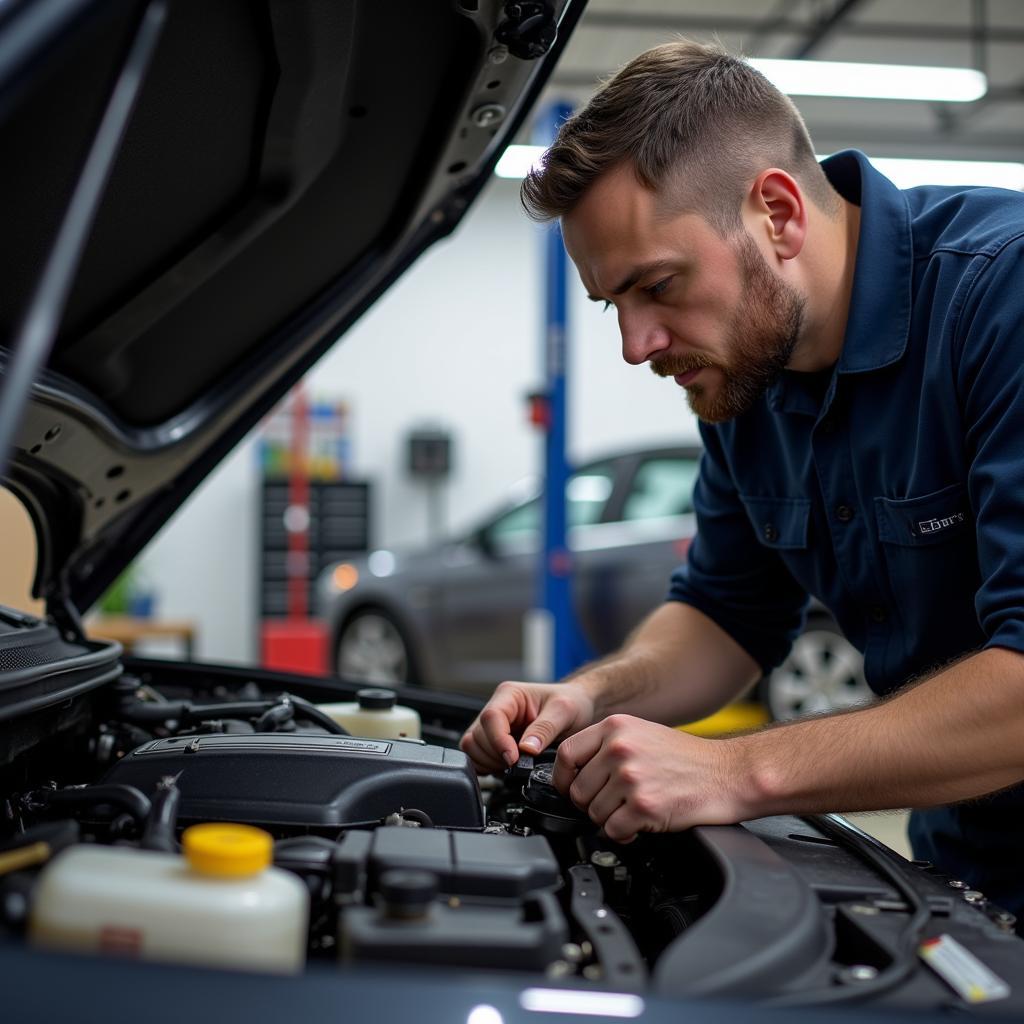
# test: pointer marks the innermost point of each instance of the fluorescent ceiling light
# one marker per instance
(906, 173)
(873, 81)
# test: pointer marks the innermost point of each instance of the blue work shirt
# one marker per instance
(891, 487)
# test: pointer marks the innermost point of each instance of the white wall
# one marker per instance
(456, 343)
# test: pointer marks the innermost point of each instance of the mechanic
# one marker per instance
(855, 355)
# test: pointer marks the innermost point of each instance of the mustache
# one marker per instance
(671, 364)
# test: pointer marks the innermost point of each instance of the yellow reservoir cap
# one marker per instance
(227, 851)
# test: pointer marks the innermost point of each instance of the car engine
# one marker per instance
(405, 857)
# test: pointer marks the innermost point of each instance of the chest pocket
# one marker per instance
(931, 558)
(779, 523)
(933, 519)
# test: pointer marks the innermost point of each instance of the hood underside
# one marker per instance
(284, 162)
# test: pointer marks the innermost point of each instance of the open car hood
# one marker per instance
(284, 162)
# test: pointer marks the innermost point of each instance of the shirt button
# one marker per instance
(769, 533)
(844, 513)
(878, 614)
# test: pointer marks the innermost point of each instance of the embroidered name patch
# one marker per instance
(936, 525)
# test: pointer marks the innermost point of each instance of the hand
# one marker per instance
(631, 776)
(539, 712)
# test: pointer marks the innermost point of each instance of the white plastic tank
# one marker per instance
(376, 713)
(219, 905)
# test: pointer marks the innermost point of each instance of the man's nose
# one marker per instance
(642, 337)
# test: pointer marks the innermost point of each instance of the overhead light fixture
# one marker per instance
(908, 173)
(517, 160)
(873, 81)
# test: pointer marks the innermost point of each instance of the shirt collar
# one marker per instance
(879, 319)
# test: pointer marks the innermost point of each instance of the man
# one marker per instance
(856, 355)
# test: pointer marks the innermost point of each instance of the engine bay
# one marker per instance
(405, 857)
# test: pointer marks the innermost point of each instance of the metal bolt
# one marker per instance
(604, 859)
(572, 953)
(488, 114)
(1005, 920)
(601, 912)
(955, 883)
(498, 54)
(592, 972)
(862, 972)
(973, 896)
(588, 949)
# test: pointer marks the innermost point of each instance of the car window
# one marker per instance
(661, 487)
(587, 493)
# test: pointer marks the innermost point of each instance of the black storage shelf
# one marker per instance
(339, 527)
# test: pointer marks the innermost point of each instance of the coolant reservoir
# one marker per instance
(221, 905)
(375, 713)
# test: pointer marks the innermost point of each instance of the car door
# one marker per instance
(624, 563)
(491, 580)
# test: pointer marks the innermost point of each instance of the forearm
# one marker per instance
(952, 737)
(677, 666)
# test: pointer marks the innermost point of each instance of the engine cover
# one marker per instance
(306, 780)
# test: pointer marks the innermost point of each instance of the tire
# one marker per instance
(823, 672)
(372, 648)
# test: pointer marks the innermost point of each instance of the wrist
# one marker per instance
(750, 780)
(594, 685)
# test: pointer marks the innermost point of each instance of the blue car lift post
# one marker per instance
(566, 646)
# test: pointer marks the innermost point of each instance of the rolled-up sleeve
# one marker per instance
(729, 575)
(990, 383)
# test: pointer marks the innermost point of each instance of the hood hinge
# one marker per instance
(64, 614)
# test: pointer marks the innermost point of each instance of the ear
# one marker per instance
(776, 209)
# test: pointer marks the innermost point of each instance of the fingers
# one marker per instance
(558, 715)
(490, 741)
(497, 721)
(485, 763)
(623, 824)
(574, 753)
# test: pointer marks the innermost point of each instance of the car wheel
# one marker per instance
(823, 672)
(371, 648)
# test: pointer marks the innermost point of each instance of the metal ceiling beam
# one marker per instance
(769, 26)
(822, 29)
(653, 22)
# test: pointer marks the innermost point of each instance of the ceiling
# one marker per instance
(986, 34)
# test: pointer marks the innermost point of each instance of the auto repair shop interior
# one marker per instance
(257, 586)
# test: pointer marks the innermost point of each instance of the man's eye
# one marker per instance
(658, 287)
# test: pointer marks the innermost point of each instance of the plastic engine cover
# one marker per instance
(306, 780)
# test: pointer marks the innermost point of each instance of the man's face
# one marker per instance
(705, 310)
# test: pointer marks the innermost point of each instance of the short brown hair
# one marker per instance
(695, 122)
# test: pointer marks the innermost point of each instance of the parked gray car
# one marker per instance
(452, 615)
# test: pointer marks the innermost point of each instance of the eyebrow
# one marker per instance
(634, 275)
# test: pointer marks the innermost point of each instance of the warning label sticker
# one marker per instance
(962, 970)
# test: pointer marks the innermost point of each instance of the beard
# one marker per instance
(759, 342)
